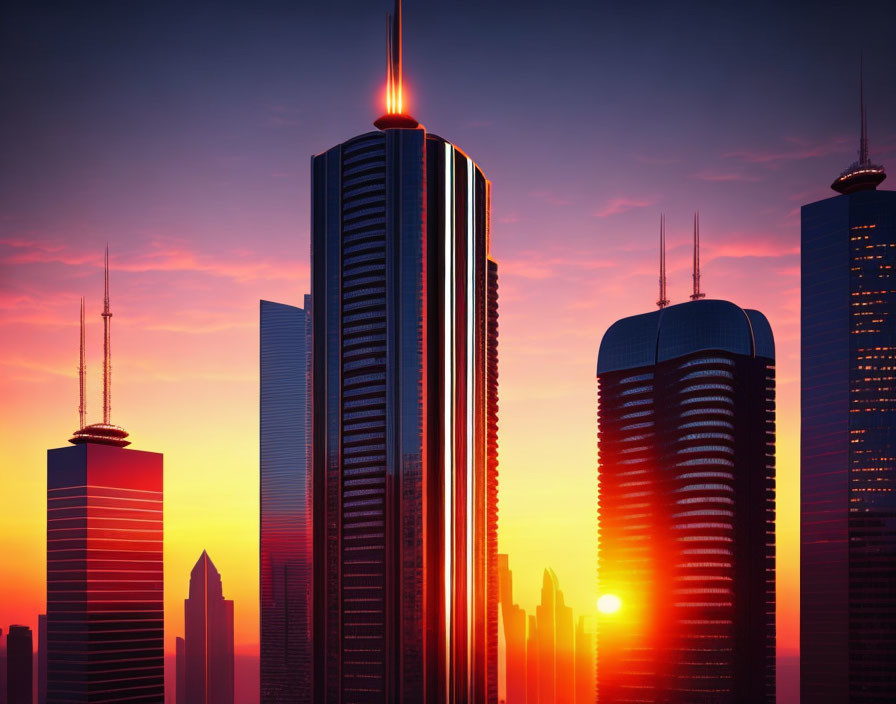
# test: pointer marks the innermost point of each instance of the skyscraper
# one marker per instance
(687, 505)
(208, 639)
(848, 443)
(105, 616)
(42, 659)
(19, 665)
(514, 635)
(404, 468)
(285, 550)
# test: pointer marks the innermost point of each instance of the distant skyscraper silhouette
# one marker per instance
(208, 638)
(105, 615)
(514, 636)
(585, 681)
(848, 444)
(19, 665)
(42, 659)
(687, 506)
(285, 550)
(405, 407)
(180, 671)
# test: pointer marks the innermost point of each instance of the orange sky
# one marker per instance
(185, 384)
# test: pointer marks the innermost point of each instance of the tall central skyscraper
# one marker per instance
(105, 616)
(687, 505)
(848, 447)
(404, 469)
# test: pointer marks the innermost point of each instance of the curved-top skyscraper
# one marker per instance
(686, 425)
(404, 468)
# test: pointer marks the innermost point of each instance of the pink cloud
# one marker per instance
(163, 256)
(799, 151)
(615, 206)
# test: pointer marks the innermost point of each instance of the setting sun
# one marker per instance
(609, 604)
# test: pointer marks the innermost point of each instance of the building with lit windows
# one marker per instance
(285, 520)
(404, 468)
(848, 444)
(686, 425)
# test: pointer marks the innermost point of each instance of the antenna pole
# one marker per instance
(863, 140)
(82, 371)
(697, 294)
(663, 301)
(107, 361)
(396, 55)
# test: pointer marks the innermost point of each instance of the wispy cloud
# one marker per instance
(722, 176)
(161, 256)
(615, 206)
(797, 150)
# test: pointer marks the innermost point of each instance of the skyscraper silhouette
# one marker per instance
(105, 615)
(42, 659)
(687, 505)
(848, 443)
(514, 635)
(208, 638)
(405, 406)
(19, 665)
(285, 550)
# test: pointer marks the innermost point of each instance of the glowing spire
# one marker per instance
(395, 115)
(697, 294)
(663, 301)
(107, 352)
(82, 373)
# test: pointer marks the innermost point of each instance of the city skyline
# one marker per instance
(175, 342)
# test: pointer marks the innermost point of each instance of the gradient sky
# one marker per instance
(181, 134)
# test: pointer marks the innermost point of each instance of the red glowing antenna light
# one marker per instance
(663, 300)
(697, 294)
(82, 373)
(395, 116)
(107, 352)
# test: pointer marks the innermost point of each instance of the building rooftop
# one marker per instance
(647, 339)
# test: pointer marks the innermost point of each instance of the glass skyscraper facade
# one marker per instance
(285, 524)
(105, 615)
(686, 425)
(405, 432)
(848, 444)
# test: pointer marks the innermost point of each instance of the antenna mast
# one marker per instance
(863, 140)
(82, 372)
(662, 302)
(107, 361)
(697, 294)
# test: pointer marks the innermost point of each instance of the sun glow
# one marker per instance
(609, 604)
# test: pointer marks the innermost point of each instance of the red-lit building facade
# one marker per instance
(105, 617)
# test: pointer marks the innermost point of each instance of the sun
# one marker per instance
(609, 604)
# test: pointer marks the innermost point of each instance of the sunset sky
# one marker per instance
(180, 133)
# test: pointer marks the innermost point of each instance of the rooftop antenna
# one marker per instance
(82, 373)
(697, 294)
(107, 361)
(663, 301)
(395, 116)
(862, 175)
(863, 139)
